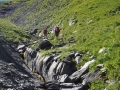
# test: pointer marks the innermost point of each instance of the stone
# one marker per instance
(52, 69)
(63, 78)
(76, 76)
(45, 45)
(100, 65)
(14, 74)
(93, 75)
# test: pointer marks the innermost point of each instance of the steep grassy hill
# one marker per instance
(96, 25)
(12, 32)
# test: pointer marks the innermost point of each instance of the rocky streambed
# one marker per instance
(19, 74)
(61, 75)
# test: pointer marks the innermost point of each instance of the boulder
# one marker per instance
(30, 54)
(36, 59)
(90, 77)
(78, 56)
(39, 64)
(76, 76)
(65, 69)
(46, 60)
(51, 72)
(20, 48)
(45, 45)
(59, 67)
(48, 65)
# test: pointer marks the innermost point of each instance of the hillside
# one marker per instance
(11, 32)
(95, 26)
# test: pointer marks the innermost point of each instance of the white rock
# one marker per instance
(101, 50)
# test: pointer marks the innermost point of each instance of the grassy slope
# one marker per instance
(12, 32)
(103, 31)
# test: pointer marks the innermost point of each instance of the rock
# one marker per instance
(14, 74)
(35, 62)
(71, 40)
(65, 72)
(56, 57)
(90, 21)
(63, 78)
(101, 50)
(76, 76)
(34, 42)
(51, 71)
(61, 44)
(66, 66)
(46, 60)
(47, 69)
(39, 64)
(71, 56)
(20, 47)
(100, 66)
(45, 45)
(53, 87)
(87, 64)
(78, 56)
(77, 59)
(93, 75)
(30, 55)
(71, 86)
(59, 67)
(34, 32)
(72, 21)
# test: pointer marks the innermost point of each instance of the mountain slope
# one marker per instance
(96, 26)
(12, 32)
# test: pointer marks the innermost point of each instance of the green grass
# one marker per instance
(11, 32)
(103, 31)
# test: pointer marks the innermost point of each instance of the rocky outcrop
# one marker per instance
(56, 75)
(48, 66)
(13, 72)
(61, 75)
(8, 9)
